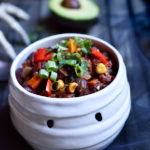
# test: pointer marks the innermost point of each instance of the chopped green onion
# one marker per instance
(54, 84)
(53, 76)
(53, 57)
(70, 62)
(59, 56)
(78, 71)
(50, 66)
(43, 74)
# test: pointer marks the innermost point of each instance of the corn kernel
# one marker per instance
(72, 87)
(61, 84)
(100, 68)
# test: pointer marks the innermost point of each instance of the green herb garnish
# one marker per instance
(63, 57)
(69, 62)
(43, 74)
(64, 43)
(84, 65)
(53, 76)
(59, 48)
(59, 56)
(54, 57)
(55, 86)
(50, 66)
(79, 70)
(76, 56)
(85, 45)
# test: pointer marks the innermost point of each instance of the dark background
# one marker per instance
(123, 23)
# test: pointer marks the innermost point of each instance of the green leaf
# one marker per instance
(84, 44)
(75, 56)
(84, 65)
(59, 48)
(64, 43)
(88, 44)
(84, 50)
(78, 41)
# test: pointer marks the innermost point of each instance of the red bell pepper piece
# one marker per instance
(99, 55)
(42, 55)
(48, 86)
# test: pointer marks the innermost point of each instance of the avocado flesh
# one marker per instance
(88, 10)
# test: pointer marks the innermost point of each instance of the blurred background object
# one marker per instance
(74, 15)
(6, 12)
(123, 23)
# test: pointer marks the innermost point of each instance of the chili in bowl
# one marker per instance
(73, 67)
(69, 91)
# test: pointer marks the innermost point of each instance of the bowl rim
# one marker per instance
(45, 99)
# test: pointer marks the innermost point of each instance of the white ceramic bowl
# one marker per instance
(87, 122)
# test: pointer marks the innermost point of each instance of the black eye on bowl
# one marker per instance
(98, 116)
(50, 123)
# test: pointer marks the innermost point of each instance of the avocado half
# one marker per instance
(79, 18)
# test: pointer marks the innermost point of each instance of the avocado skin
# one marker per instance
(72, 25)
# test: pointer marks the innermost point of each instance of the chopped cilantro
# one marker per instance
(84, 44)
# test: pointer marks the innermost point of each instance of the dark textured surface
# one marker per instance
(123, 23)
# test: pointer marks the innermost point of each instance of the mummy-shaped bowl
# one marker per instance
(87, 122)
